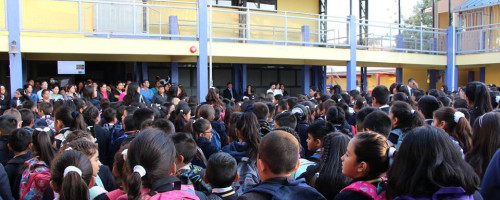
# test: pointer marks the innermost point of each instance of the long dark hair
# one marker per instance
(485, 142)
(373, 149)
(407, 117)
(72, 185)
(88, 92)
(179, 121)
(155, 152)
(43, 138)
(70, 118)
(479, 97)
(460, 130)
(248, 126)
(132, 95)
(427, 161)
(331, 180)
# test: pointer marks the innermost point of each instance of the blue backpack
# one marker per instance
(248, 176)
(296, 190)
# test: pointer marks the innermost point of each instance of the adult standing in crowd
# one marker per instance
(230, 92)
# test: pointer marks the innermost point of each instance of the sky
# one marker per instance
(379, 10)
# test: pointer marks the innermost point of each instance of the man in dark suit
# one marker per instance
(230, 92)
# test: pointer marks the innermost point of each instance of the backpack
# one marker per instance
(367, 189)
(117, 136)
(178, 191)
(34, 180)
(248, 175)
(297, 190)
(445, 193)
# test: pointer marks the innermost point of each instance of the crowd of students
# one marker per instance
(136, 142)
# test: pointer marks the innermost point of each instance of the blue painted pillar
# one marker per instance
(451, 73)
(482, 74)
(174, 73)
(399, 42)
(25, 72)
(471, 76)
(244, 77)
(174, 66)
(432, 78)
(15, 59)
(237, 79)
(202, 64)
(144, 71)
(351, 64)
(399, 75)
(322, 80)
(306, 70)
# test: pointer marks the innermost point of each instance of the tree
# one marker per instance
(413, 38)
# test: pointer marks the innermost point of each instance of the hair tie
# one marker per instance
(75, 114)
(339, 99)
(457, 115)
(497, 98)
(69, 169)
(67, 149)
(182, 111)
(412, 111)
(201, 117)
(124, 154)
(139, 169)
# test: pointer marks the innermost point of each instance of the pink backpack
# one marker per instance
(34, 180)
(186, 192)
(367, 189)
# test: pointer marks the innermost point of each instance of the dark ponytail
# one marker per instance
(70, 118)
(199, 126)
(43, 138)
(72, 185)
(460, 130)
(248, 126)
(153, 151)
(407, 117)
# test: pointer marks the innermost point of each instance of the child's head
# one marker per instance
(260, 110)
(247, 130)
(66, 117)
(360, 117)
(367, 156)
(427, 105)
(206, 112)
(120, 170)
(485, 141)
(278, 155)
(44, 108)
(43, 144)
(404, 117)
(455, 124)
(150, 157)
(27, 117)
(19, 140)
(427, 161)
(71, 175)
(316, 132)
(88, 148)
(377, 121)
(221, 170)
(109, 115)
(285, 119)
(201, 128)
(185, 148)
(7, 124)
(141, 115)
(335, 115)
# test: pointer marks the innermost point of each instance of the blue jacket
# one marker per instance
(237, 149)
(282, 188)
(490, 185)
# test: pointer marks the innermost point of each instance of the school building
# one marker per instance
(203, 43)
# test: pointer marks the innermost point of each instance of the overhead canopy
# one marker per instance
(476, 4)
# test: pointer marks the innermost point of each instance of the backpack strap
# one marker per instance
(363, 187)
(164, 185)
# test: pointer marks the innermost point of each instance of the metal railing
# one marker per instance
(108, 18)
(150, 19)
(402, 38)
(244, 25)
(478, 39)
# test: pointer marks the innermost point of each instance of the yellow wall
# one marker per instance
(3, 22)
(492, 74)
(385, 79)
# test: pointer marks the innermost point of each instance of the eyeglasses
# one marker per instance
(44, 129)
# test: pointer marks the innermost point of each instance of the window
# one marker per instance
(252, 4)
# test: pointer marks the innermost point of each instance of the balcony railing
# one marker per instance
(478, 39)
(166, 19)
